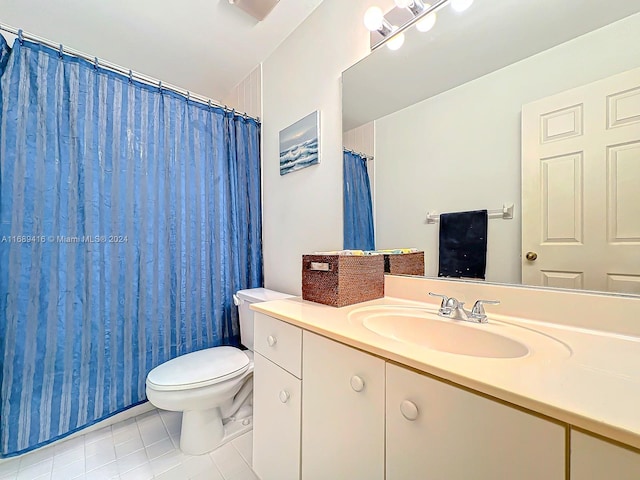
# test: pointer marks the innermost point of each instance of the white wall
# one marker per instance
(205, 46)
(360, 139)
(460, 150)
(246, 97)
(302, 211)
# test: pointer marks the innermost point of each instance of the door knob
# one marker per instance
(531, 256)
(271, 340)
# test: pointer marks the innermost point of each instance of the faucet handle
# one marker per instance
(448, 305)
(444, 298)
(478, 308)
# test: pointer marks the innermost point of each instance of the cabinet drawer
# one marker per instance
(279, 342)
(276, 422)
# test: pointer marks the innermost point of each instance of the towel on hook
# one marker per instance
(463, 244)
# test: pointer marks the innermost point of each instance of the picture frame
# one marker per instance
(300, 144)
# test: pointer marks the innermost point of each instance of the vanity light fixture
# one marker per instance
(417, 8)
(423, 16)
(427, 22)
(396, 41)
(461, 5)
(375, 22)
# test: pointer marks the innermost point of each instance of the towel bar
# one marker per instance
(506, 213)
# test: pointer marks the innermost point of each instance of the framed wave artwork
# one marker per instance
(299, 144)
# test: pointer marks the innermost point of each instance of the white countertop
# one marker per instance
(586, 378)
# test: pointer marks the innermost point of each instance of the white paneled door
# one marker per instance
(581, 187)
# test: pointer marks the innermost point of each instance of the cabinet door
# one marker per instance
(342, 412)
(436, 431)
(276, 422)
(596, 459)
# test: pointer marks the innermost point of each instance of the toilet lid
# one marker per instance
(199, 369)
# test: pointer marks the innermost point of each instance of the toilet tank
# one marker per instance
(244, 298)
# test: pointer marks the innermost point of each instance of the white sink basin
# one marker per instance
(418, 326)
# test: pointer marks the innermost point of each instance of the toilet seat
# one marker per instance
(199, 369)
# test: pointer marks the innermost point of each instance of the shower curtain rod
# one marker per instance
(363, 155)
(130, 73)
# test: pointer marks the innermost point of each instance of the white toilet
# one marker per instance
(210, 385)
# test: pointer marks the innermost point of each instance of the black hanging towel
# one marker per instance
(463, 244)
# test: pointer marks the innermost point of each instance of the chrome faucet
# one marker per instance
(453, 308)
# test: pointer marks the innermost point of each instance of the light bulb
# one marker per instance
(426, 23)
(396, 42)
(403, 3)
(461, 5)
(373, 18)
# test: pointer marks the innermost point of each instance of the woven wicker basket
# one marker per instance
(404, 263)
(340, 280)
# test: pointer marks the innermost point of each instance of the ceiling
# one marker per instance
(461, 47)
(205, 46)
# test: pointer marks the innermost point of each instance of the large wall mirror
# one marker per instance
(442, 119)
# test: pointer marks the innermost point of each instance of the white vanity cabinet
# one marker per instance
(595, 459)
(325, 410)
(276, 399)
(342, 412)
(441, 432)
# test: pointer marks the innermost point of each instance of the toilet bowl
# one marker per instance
(211, 385)
(200, 384)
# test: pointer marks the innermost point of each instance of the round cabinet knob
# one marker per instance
(531, 256)
(409, 410)
(271, 340)
(284, 396)
(357, 383)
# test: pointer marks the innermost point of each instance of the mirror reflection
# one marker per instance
(535, 104)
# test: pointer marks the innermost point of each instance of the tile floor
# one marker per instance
(141, 448)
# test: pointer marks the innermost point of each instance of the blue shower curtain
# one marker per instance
(128, 218)
(357, 206)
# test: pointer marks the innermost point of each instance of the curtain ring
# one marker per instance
(20, 37)
(130, 76)
(209, 103)
(160, 86)
(60, 51)
(95, 63)
(188, 96)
